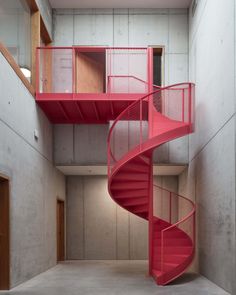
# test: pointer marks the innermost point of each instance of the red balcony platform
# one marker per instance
(91, 84)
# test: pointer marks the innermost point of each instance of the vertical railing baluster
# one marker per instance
(150, 216)
(73, 72)
(190, 104)
(141, 124)
(37, 74)
(162, 251)
(170, 209)
(128, 129)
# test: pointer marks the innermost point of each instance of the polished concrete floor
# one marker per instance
(110, 278)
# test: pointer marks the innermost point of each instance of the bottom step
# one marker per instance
(156, 273)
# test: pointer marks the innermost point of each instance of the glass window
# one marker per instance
(15, 30)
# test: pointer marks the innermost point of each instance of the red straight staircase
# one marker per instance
(157, 118)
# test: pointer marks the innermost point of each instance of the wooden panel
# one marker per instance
(16, 68)
(60, 231)
(35, 42)
(44, 33)
(4, 235)
(32, 5)
(90, 74)
(47, 70)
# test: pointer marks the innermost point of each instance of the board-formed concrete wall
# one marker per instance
(130, 27)
(97, 228)
(210, 178)
(34, 182)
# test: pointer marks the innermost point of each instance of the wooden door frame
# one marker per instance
(5, 201)
(59, 258)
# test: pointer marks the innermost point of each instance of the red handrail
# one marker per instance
(185, 117)
(72, 50)
(142, 98)
(176, 224)
(159, 90)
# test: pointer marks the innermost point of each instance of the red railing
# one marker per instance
(179, 213)
(134, 126)
(72, 70)
(124, 84)
(133, 133)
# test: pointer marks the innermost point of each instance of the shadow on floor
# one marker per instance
(185, 278)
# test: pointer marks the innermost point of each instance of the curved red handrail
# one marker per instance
(133, 77)
(135, 112)
(188, 84)
(191, 213)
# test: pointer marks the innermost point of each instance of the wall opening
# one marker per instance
(157, 65)
(90, 72)
(60, 230)
(4, 235)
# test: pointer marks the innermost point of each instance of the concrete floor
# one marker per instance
(110, 278)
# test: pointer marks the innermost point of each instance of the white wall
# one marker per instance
(210, 178)
(34, 182)
(133, 27)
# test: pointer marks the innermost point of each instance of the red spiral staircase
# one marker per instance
(64, 93)
(157, 118)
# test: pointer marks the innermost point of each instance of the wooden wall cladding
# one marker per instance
(90, 71)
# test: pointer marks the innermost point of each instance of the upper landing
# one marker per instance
(91, 84)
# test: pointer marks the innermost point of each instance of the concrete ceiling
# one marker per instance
(120, 3)
(102, 170)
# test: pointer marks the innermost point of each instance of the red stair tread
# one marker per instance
(130, 185)
(132, 176)
(140, 209)
(141, 193)
(137, 167)
(176, 250)
(156, 273)
(134, 201)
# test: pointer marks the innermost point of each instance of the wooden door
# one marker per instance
(4, 235)
(60, 231)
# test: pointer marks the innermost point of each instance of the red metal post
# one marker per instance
(37, 71)
(150, 88)
(170, 209)
(128, 139)
(73, 72)
(182, 105)
(141, 124)
(190, 106)
(162, 251)
(108, 159)
(150, 216)
(194, 228)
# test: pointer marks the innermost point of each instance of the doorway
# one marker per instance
(60, 231)
(4, 235)
(158, 66)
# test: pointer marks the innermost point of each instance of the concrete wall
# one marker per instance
(97, 228)
(210, 178)
(46, 12)
(86, 144)
(80, 144)
(132, 27)
(34, 182)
